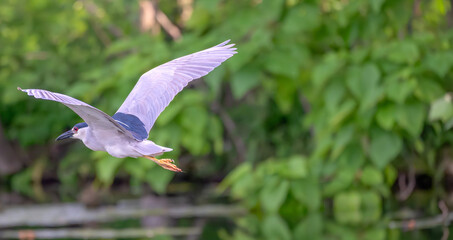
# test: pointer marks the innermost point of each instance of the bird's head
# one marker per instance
(78, 131)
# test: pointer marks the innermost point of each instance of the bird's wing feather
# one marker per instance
(95, 118)
(156, 88)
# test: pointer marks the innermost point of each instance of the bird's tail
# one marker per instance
(149, 148)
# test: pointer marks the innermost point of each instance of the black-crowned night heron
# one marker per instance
(125, 133)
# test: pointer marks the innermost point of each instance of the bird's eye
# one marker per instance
(76, 129)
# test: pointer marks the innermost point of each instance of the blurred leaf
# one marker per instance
(326, 69)
(295, 167)
(347, 207)
(274, 193)
(334, 93)
(302, 18)
(441, 109)
(340, 182)
(440, 63)
(375, 234)
(244, 80)
(274, 227)
(385, 146)
(371, 206)
(285, 94)
(403, 52)
(376, 5)
(310, 227)
(428, 90)
(158, 178)
(106, 166)
(342, 139)
(386, 116)
(22, 182)
(399, 90)
(307, 191)
(239, 172)
(343, 112)
(260, 38)
(371, 176)
(390, 175)
(411, 117)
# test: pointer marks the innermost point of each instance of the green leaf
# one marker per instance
(362, 78)
(375, 234)
(342, 139)
(440, 62)
(334, 93)
(347, 207)
(352, 157)
(302, 18)
(326, 69)
(138, 167)
(371, 176)
(390, 175)
(428, 90)
(214, 80)
(295, 167)
(399, 90)
(376, 5)
(244, 80)
(285, 94)
(343, 179)
(403, 52)
(274, 193)
(343, 112)
(158, 178)
(260, 38)
(284, 62)
(307, 191)
(386, 116)
(371, 206)
(234, 176)
(106, 166)
(310, 227)
(385, 146)
(411, 117)
(274, 227)
(363, 82)
(22, 182)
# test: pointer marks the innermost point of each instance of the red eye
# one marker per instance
(76, 129)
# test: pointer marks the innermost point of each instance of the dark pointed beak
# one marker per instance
(65, 135)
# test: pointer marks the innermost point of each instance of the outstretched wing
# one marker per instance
(156, 88)
(95, 118)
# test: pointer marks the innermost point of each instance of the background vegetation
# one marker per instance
(331, 121)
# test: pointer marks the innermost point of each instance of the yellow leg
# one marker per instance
(165, 163)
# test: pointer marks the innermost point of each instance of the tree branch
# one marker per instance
(75, 213)
(423, 223)
(83, 233)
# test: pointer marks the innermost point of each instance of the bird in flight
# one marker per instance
(125, 133)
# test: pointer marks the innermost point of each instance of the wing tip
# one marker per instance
(223, 43)
(229, 47)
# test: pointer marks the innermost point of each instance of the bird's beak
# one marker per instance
(65, 135)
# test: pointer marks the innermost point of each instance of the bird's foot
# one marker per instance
(165, 163)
